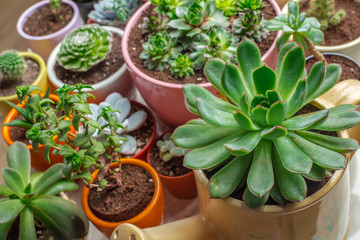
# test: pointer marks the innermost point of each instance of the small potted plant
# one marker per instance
(251, 146)
(18, 68)
(45, 24)
(167, 160)
(32, 200)
(91, 55)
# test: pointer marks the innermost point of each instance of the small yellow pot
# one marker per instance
(41, 81)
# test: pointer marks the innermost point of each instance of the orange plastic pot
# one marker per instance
(152, 215)
(182, 187)
(37, 158)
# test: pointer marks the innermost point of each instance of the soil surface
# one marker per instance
(123, 201)
(171, 168)
(347, 30)
(44, 22)
(30, 75)
(97, 73)
(350, 70)
(137, 38)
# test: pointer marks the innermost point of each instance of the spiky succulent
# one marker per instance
(215, 43)
(250, 22)
(229, 7)
(196, 17)
(253, 137)
(84, 47)
(12, 66)
(182, 66)
(154, 24)
(168, 150)
(296, 25)
(158, 50)
(324, 11)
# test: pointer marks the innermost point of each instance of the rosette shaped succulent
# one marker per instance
(196, 17)
(252, 136)
(215, 43)
(12, 66)
(182, 66)
(229, 7)
(168, 150)
(84, 47)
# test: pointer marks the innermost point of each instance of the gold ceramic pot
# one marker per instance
(323, 215)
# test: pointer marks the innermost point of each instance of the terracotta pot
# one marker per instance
(152, 215)
(182, 187)
(167, 99)
(323, 215)
(43, 45)
(120, 81)
(38, 160)
(40, 81)
(351, 49)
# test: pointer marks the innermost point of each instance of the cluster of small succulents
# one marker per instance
(324, 11)
(182, 66)
(168, 150)
(12, 66)
(84, 47)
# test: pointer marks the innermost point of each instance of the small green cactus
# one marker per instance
(84, 47)
(159, 50)
(216, 43)
(182, 66)
(168, 149)
(12, 66)
(229, 7)
(324, 11)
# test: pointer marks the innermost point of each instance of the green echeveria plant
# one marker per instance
(154, 24)
(229, 7)
(324, 11)
(168, 150)
(159, 50)
(182, 66)
(252, 137)
(215, 43)
(33, 196)
(84, 47)
(12, 66)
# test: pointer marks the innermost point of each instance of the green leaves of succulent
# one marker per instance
(255, 123)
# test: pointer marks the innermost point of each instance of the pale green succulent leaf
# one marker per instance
(276, 113)
(18, 157)
(13, 180)
(259, 115)
(306, 121)
(315, 78)
(282, 53)
(264, 79)
(213, 71)
(317, 173)
(27, 224)
(276, 194)
(253, 201)
(6, 191)
(48, 179)
(246, 144)
(274, 132)
(61, 186)
(340, 119)
(297, 98)
(10, 209)
(315, 35)
(283, 39)
(245, 122)
(244, 105)
(4, 229)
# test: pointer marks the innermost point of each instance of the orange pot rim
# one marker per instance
(13, 113)
(112, 225)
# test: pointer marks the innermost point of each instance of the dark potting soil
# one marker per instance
(347, 30)
(123, 201)
(44, 22)
(97, 73)
(137, 38)
(350, 70)
(171, 168)
(30, 75)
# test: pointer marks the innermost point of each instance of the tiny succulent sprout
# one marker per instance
(229, 7)
(84, 47)
(55, 5)
(159, 50)
(31, 197)
(182, 66)
(168, 150)
(252, 138)
(215, 43)
(12, 67)
(324, 11)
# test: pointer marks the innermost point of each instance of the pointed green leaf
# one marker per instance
(292, 186)
(49, 178)
(66, 150)
(5, 190)
(13, 180)
(276, 194)
(315, 78)
(22, 111)
(282, 39)
(340, 118)
(18, 157)
(276, 114)
(306, 121)
(264, 79)
(259, 115)
(10, 209)
(27, 225)
(297, 98)
(18, 123)
(245, 122)
(244, 105)
(282, 54)
(213, 71)
(321, 156)
(227, 179)
(84, 175)
(61, 186)
(245, 144)
(292, 158)
(291, 69)
(342, 145)
(274, 132)
(261, 177)
(317, 173)
(35, 177)
(46, 154)
(253, 201)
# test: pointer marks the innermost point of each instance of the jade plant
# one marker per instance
(34, 197)
(84, 47)
(182, 66)
(12, 67)
(168, 150)
(324, 11)
(252, 138)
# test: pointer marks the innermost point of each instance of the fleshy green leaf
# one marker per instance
(19, 123)
(274, 132)
(315, 78)
(61, 186)
(10, 209)
(317, 173)
(5, 190)
(306, 121)
(253, 201)
(282, 54)
(276, 194)
(4, 229)
(264, 79)
(213, 71)
(27, 225)
(259, 115)
(245, 122)
(297, 98)
(49, 178)
(244, 105)
(340, 118)
(276, 114)
(18, 157)
(13, 180)
(245, 144)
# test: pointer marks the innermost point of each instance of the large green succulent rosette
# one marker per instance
(84, 47)
(252, 138)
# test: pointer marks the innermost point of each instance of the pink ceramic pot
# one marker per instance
(43, 45)
(167, 99)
